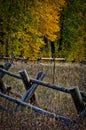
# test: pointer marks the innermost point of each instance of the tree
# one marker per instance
(48, 23)
(71, 44)
(26, 23)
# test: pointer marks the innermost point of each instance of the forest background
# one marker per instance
(43, 28)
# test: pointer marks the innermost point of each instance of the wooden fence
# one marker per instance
(41, 59)
(30, 84)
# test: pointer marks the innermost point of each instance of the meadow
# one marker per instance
(62, 74)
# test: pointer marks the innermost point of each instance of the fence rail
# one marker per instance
(40, 59)
(46, 84)
(79, 97)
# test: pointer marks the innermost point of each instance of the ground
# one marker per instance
(61, 74)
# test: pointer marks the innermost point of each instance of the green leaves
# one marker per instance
(25, 23)
(72, 30)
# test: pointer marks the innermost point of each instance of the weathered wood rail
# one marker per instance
(79, 97)
(41, 59)
(46, 84)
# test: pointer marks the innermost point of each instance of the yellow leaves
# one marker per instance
(41, 19)
(46, 19)
(57, 4)
(19, 35)
(30, 30)
(35, 46)
(61, 3)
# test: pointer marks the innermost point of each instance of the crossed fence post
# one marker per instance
(45, 84)
(6, 66)
(30, 88)
(75, 93)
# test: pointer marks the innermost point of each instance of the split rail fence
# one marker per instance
(30, 84)
(41, 59)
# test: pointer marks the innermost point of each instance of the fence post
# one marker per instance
(27, 84)
(2, 86)
(6, 67)
(77, 98)
(25, 78)
(29, 94)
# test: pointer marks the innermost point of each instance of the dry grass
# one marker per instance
(66, 75)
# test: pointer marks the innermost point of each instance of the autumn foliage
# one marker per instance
(24, 24)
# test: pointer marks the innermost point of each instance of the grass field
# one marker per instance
(62, 74)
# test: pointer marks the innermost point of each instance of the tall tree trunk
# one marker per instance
(53, 49)
(61, 30)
